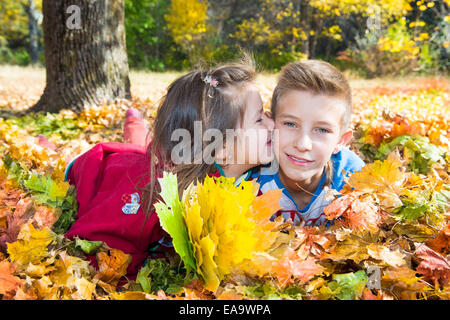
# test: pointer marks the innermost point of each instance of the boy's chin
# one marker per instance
(293, 176)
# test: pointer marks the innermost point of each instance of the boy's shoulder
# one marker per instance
(347, 159)
(344, 162)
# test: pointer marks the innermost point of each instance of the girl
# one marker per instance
(117, 183)
(312, 108)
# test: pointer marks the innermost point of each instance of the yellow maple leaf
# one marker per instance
(31, 246)
(220, 218)
(379, 177)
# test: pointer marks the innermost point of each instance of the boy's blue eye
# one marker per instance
(289, 124)
(323, 130)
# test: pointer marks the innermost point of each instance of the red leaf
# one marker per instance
(433, 266)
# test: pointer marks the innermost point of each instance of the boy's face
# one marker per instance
(309, 127)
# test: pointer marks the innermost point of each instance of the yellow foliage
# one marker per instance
(227, 226)
(31, 246)
(186, 19)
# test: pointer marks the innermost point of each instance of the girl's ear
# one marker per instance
(345, 139)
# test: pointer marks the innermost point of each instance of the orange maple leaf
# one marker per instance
(441, 243)
(112, 265)
(9, 283)
(358, 215)
(290, 267)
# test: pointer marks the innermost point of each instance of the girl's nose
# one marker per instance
(303, 142)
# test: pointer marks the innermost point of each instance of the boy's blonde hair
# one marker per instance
(317, 77)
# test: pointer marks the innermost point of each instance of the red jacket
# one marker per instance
(110, 204)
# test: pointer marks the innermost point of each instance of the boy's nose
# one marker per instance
(303, 142)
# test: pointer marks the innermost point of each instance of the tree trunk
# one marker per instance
(33, 16)
(85, 54)
(305, 24)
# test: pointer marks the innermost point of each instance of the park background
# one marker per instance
(70, 69)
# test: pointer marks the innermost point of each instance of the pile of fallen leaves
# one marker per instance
(390, 237)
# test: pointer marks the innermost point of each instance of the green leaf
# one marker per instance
(143, 278)
(170, 215)
(47, 190)
(348, 286)
(88, 247)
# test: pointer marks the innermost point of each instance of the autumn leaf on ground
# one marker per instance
(9, 283)
(441, 243)
(31, 245)
(403, 282)
(15, 220)
(354, 213)
(352, 246)
(433, 266)
(311, 240)
(112, 265)
(348, 286)
(291, 268)
(390, 257)
(379, 176)
(45, 216)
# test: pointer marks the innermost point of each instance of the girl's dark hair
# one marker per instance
(190, 99)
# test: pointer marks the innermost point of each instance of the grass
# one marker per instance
(21, 87)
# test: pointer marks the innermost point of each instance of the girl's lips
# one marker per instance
(298, 161)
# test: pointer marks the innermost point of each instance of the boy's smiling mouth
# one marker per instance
(298, 161)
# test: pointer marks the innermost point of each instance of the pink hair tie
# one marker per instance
(211, 81)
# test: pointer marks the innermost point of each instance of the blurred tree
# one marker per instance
(34, 18)
(20, 27)
(148, 41)
(85, 54)
(187, 23)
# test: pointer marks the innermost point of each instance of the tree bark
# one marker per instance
(85, 54)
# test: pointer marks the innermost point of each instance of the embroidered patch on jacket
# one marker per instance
(131, 203)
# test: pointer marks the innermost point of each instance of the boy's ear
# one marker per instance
(345, 139)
